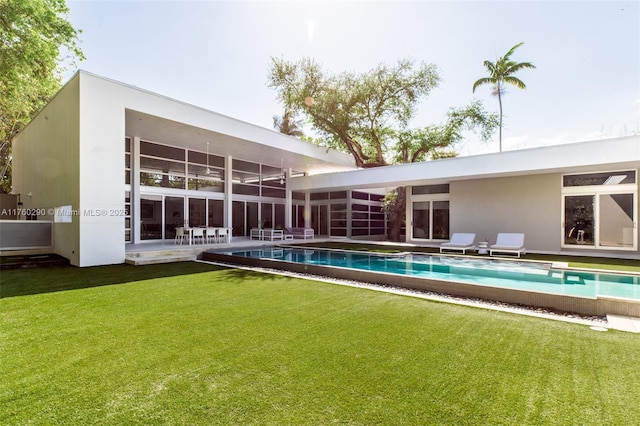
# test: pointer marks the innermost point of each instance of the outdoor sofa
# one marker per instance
(267, 234)
(299, 233)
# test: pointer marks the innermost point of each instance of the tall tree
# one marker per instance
(500, 73)
(355, 113)
(37, 43)
(368, 115)
(288, 124)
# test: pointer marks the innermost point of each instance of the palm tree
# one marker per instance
(500, 73)
(287, 124)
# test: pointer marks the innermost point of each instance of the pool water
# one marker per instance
(528, 276)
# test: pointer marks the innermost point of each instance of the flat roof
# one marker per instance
(580, 157)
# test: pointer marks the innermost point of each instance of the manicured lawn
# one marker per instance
(196, 344)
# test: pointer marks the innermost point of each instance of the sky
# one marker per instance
(216, 55)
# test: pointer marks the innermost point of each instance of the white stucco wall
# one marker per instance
(523, 204)
(46, 165)
(101, 179)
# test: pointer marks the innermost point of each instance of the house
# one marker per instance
(110, 164)
(574, 198)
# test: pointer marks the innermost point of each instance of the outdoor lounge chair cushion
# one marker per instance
(459, 241)
(508, 243)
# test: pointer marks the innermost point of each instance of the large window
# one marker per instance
(430, 209)
(599, 210)
(431, 220)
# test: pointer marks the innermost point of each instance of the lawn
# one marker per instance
(190, 344)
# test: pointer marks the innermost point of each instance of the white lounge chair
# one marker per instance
(508, 243)
(460, 242)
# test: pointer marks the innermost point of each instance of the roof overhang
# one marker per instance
(599, 155)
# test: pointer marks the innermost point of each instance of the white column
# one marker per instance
(288, 202)
(307, 210)
(349, 215)
(408, 215)
(228, 189)
(136, 225)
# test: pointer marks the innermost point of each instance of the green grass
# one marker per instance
(189, 343)
(612, 264)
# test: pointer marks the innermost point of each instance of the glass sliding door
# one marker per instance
(251, 217)
(440, 220)
(197, 212)
(150, 217)
(174, 216)
(323, 220)
(320, 219)
(616, 220)
(579, 219)
(600, 210)
(421, 219)
(279, 216)
(215, 213)
(238, 218)
(266, 215)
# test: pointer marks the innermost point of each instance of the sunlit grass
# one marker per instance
(192, 344)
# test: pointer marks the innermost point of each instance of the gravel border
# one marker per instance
(594, 321)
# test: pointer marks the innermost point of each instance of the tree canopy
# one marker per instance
(355, 113)
(37, 42)
(369, 115)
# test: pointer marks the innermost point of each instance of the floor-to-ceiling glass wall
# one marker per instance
(185, 187)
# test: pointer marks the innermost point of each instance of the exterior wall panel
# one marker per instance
(524, 204)
(46, 165)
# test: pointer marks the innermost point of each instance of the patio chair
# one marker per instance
(223, 235)
(211, 235)
(197, 234)
(508, 243)
(181, 236)
(459, 242)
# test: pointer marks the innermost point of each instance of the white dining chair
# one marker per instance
(197, 234)
(212, 235)
(223, 235)
(180, 236)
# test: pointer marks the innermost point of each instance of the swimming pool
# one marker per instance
(492, 278)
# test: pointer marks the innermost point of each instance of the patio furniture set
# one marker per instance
(202, 235)
(512, 243)
(281, 234)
